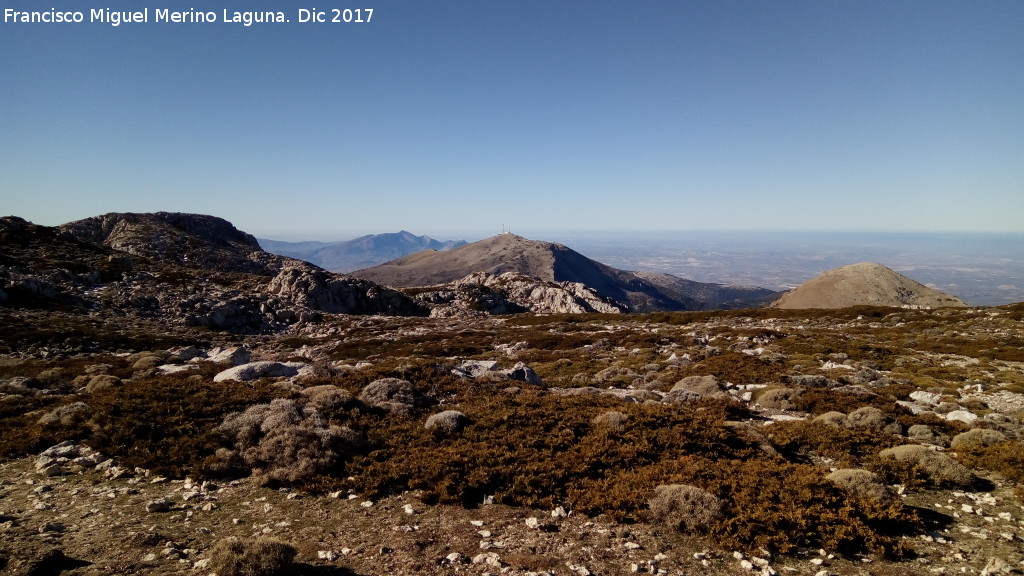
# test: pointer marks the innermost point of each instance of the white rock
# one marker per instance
(256, 370)
(488, 558)
(328, 555)
(964, 416)
(158, 505)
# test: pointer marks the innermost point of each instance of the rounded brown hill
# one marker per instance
(861, 284)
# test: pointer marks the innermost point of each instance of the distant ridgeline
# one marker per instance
(199, 270)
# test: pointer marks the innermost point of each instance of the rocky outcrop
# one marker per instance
(323, 291)
(191, 240)
(545, 262)
(511, 293)
(186, 269)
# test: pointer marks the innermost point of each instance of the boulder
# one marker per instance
(523, 373)
(257, 370)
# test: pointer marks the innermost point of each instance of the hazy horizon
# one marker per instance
(983, 269)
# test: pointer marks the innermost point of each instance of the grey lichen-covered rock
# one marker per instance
(523, 373)
(965, 416)
(475, 368)
(257, 370)
(449, 421)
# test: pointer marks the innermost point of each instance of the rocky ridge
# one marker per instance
(181, 268)
(551, 262)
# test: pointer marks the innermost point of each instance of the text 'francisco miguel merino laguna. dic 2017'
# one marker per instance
(163, 15)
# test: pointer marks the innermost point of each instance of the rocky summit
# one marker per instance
(172, 409)
(864, 284)
(551, 262)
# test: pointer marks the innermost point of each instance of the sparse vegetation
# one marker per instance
(259, 557)
(383, 415)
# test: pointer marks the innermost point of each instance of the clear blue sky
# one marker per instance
(452, 117)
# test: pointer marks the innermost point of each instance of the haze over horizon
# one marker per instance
(455, 118)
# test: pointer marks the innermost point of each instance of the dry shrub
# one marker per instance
(67, 416)
(736, 368)
(863, 484)
(447, 422)
(262, 557)
(913, 464)
(977, 438)
(613, 421)
(780, 506)
(685, 508)
(283, 442)
(849, 447)
(391, 394)
(871, 418)
(327, 398)
(833, 418)
(102, 382)
(1005, 458)
(164, 424)
(924, 434)
(779, 398)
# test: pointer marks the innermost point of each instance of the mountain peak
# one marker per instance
(544, 261)
(864, 283)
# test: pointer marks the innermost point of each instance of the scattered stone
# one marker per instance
(158, 505)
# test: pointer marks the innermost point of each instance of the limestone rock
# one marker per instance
(257, 370)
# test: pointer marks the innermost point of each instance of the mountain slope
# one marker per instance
(543, 260)
(185, 269)
(866, 283)
(191, 240)
(360, 252)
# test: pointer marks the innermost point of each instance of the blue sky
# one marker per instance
(451, 118)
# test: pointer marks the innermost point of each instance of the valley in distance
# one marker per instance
(176, 397)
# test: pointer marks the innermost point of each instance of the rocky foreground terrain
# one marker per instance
(175, 401)
(140, 455)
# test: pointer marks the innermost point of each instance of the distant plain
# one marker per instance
(982, 269)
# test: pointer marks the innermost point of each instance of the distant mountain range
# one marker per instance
(198, 270)
(557, 263)
(361, 252)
